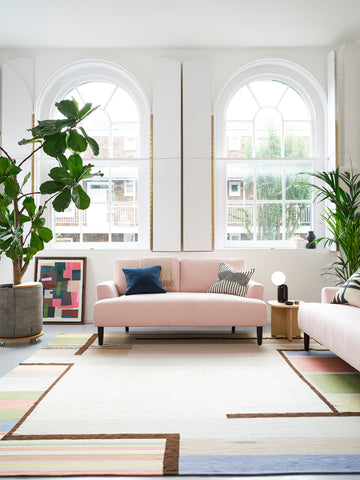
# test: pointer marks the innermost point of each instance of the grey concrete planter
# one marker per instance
(20, 310)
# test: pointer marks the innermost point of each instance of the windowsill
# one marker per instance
(138, 248)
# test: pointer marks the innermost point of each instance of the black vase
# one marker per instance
(310, 237)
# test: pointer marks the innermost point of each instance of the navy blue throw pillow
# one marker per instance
(143, 280)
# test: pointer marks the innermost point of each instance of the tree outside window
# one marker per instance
(272, 125)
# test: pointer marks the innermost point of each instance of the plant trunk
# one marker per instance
(18, 271)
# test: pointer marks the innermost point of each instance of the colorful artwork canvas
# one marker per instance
(63, 281)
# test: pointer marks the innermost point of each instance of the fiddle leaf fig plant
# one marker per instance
(22, 223)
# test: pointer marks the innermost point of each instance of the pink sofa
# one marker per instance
(188, 306)
(336, 327)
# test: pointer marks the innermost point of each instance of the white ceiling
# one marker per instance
(177, 23)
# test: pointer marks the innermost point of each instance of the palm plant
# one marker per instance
(341, 191)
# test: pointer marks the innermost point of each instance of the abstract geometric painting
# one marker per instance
(63, 281)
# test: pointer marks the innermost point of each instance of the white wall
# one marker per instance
(302, 267)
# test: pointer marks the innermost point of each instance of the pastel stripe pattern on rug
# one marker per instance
(82, 457)
(21, 388)
(338, 381)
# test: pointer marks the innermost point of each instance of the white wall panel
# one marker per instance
(166, 207)
(197, 205)
(17, 110)
(332, 111)
(167, 155)
(197, 184)
(16, 104)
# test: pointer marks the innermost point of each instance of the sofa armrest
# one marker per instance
(255, 290)
(327, 294)
(106, 290)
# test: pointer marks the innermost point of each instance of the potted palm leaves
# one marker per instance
(341, 192)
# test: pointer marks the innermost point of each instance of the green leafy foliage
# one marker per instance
(341, 193)
(22, 224)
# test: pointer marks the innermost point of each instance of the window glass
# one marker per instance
(268, 133)
(113, 215)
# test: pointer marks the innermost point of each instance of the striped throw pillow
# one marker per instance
(231, 281)
(349, 293)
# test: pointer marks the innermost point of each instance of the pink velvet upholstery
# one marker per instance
(180, 309)
(189, 306)
(336, 327)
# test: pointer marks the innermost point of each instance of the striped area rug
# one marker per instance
(146, 405)
(82, 457)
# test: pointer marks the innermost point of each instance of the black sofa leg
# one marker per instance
(306, 341)
(232, 329)
(127, 329)
(101, 335)
(259, 334)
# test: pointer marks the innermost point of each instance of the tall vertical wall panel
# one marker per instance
(17, 107)
(332, 112)
(197, 175)
(167, 155)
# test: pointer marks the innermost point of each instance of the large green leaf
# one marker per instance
(45, 234)
(62, 201)
(55, 145)
(93, 143)
(50, 187)
(75, 165)
(36, 241)
(63, 161)
(43, 128)
(80, 198)
(23, 219)
(29, 204)
(12, 188)
(14, 170)
(59, 174)
(63, 123)
(69, 108)
(4, 221)
(29, 253)
(5, 244)
(38, 223)
(76, 142)
(15, 249)
(4, 165)
(85, 109)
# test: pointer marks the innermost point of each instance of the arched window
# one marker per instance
(270, 127)
(119, 210)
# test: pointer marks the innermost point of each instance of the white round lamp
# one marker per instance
(279, 278)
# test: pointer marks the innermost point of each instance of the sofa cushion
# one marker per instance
(336, 327)
(231, 281)
(180, 309)
(143, 280)
(198, 274)
(119, 276)
(350, 292)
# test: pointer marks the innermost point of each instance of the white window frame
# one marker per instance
(311, 91)
(55, 89)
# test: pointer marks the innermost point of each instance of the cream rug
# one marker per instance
(152, 405)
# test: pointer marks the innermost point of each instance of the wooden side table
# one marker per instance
(284, 320)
